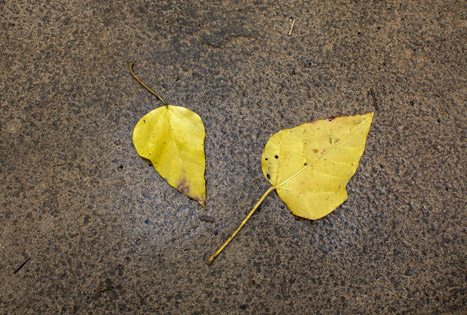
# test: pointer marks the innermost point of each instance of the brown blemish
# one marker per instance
(183, 187)
(315, 150)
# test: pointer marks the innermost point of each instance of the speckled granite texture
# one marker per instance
(105, 234)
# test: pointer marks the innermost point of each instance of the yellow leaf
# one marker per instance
(172, 138)
(309, 166)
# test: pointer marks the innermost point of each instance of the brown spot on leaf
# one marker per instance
(183, 187)
(315, 150)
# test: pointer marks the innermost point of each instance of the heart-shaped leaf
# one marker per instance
(172, 138)
(309, 166)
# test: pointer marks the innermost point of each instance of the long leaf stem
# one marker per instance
(145, 86)
(211, 259)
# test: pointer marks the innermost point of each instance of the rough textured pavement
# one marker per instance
(101, 232)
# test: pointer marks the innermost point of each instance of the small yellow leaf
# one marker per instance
(310, 165)
(172, 138)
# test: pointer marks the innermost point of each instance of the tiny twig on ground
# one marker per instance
(291, 26)
(21, 266)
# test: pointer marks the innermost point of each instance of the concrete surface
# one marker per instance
(101, 232)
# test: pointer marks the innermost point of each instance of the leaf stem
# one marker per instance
(210, 260)
(145, 86)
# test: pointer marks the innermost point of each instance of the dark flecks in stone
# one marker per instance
(121, 166)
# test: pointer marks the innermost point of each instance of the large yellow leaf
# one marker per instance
(309, 166)
(172, 138)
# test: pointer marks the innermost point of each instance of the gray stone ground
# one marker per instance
(105, 234)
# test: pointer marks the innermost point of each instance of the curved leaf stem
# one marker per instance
(210, 260)
(145, 86)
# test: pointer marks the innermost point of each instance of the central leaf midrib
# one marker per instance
(179, 151)
(319, 157)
